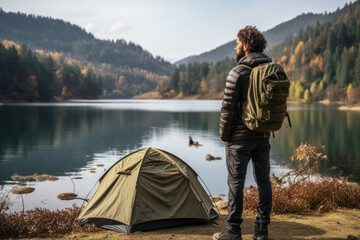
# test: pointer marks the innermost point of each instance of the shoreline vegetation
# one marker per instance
(155, 95)
(305, 206)
(320, 209)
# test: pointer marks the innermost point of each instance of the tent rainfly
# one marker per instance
(148, 189)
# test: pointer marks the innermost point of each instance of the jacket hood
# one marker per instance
(254, 59)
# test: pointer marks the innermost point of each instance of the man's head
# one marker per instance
(249, 40)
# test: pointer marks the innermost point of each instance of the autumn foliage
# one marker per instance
(321, 195)
(41, 222)
(300, 190)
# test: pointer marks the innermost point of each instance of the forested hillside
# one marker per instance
(203, 79)
(127, 69)
(322, 61)
(274, 37)
(29, 76)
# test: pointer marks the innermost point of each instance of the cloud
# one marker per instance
(89, 27)
(117, 27)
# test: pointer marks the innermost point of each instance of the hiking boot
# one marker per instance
(227, 234)
(261, 232)
(261, 238)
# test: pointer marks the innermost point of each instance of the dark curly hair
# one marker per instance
(251, 37)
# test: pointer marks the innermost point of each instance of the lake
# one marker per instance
(70, 138)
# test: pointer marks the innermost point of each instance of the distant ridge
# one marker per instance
(125, 67)
(39, 32)
(322, 62)
(274, 36)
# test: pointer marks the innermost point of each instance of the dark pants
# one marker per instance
(238, 155)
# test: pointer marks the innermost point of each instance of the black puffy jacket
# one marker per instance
(232, 127)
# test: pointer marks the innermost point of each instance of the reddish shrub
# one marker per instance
(323, 195)
(41, 222)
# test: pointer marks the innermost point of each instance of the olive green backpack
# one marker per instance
(265, 107)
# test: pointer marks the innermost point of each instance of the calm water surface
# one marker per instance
(69, 138)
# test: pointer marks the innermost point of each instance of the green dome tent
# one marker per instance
(148, 189)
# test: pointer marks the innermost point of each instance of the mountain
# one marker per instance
(322, 62)
(273, 36)
(127, 69)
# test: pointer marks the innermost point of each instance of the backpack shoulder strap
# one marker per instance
(245, 66)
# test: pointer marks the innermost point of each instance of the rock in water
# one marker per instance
(22, 190)
(210, 157)
(66, 196)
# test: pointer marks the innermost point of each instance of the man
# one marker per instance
(243, 144)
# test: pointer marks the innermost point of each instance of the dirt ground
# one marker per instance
(330, 226)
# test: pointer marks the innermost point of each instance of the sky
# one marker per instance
(173, 29)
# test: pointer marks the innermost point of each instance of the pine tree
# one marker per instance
(313, 88)
(342, 70)
(306, 95)
(331, 41)
(329, 63)
(175, 79)
(356, 80)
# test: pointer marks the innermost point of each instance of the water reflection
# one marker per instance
(56, 140)
(323, 125)
(66, 138)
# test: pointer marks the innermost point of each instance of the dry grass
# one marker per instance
(41, 222)
(44, 177)
(22, 190)
(4, 201)
(322, 195)
(40, 178)
(148, 95)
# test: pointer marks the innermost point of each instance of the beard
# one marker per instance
(240, 55)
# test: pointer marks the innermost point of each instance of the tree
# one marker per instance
(299, 90)
(331, 41)
(298, 57)
(28, 76)
(313, 88)
(356, 79)
(349, 92)
(53, 87)
(307, 95)
(329, 70)
(175, 79)
(342, 70)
